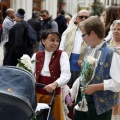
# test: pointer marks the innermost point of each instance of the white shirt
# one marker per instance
(7, 25)
(64, 67)
(113, 84)
(77, 42)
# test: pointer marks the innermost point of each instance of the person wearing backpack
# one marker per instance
(19, 40)
(62, 22)
(35, 23)
(47, 23)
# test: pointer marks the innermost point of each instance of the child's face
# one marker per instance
(51, 43)
(87, 38)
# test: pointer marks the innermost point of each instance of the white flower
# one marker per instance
(91, 60)
(25, 59)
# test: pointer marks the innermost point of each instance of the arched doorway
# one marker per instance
(4, 4)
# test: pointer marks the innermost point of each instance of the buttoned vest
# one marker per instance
(54, 65)
(104, 100)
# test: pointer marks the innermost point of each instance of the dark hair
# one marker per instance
(21, 11)
(44, 11)
(118, 7)
(35, 14)
(62, 12)
(45, 34)
(112, 14)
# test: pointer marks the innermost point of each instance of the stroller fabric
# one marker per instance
(17, 94)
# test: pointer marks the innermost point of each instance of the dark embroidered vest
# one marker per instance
(104, 100)
(54, 65)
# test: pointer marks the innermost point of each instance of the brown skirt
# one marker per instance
(57, 110)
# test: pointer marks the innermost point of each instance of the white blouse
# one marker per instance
(64, 67)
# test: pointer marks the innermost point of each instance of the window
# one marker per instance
(36, 5)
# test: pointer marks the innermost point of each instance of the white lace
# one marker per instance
(115, 117)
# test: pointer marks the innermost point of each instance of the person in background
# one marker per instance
(111, 14)
(47, 23)
(102, 91)
(6, 26)
(118, 7)
(18, 38)
(47, 73)
(72, 43)
(115, 42)
(61, 21)
(35, 23)
(68, 18)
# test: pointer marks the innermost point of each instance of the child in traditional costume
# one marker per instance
(102, 91)
(52, 69)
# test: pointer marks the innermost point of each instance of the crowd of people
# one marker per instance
(61, 50)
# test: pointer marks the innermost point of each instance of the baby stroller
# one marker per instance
(18, 96)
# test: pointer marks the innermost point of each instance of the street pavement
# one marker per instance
(1, 54)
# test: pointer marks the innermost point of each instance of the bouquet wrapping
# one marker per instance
(87, 74)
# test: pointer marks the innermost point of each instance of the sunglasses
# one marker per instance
(84, 35)
(81, 17)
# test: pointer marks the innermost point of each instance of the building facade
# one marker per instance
(28, 6)
(53, 6)
(88, 3)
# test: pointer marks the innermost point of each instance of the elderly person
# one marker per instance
(115, 42)
(6, 26)
(72, 43)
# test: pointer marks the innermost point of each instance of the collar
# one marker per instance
(48, 53)
(100, 45)
(10, 19)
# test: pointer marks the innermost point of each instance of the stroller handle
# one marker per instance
(39, 85)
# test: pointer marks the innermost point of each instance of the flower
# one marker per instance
(25, 63)
(91, 60)
(88, 69)
(86, 76)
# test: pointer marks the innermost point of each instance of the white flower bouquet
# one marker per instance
(86, 76)
(25, 63)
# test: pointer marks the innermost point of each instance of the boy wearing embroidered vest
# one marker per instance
(101, 93)
(52, 69)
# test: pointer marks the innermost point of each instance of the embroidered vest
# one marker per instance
(104, 100)
(54, 65)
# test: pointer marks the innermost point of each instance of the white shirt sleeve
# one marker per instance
(63, 40)
(65, 70)
(113, 84)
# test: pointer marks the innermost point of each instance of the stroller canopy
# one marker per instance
(18, 84)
